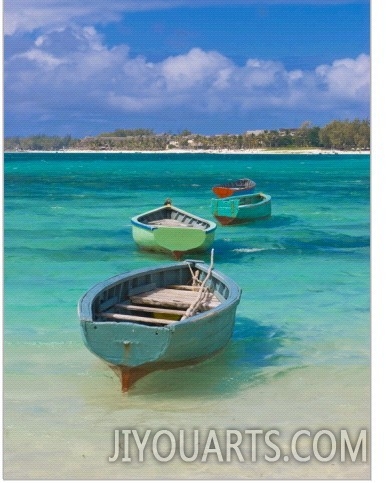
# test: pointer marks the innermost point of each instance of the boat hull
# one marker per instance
(151, 232)
(243, 186)
(175, 241)
(225, 192)
(240, 210)
(132, 345)
(135, 349)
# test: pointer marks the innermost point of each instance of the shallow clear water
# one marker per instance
(304, 274)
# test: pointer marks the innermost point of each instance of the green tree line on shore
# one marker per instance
(342, 135)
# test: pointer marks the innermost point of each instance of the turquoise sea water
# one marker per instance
(304, 274)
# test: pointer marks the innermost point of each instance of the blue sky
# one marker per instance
(82, 67)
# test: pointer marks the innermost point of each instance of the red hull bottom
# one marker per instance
(228, 220)
(130, 375)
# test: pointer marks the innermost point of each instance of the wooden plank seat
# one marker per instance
(143, 308)
(170, 222)
(173, 298)
(171, 301)
(135, 318)
(193, 288)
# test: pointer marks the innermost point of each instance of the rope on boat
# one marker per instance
(195, 275)
(195, 278)
(192, 309)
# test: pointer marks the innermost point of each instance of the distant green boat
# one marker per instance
(171, 230)
(241, 209)
(158, 318)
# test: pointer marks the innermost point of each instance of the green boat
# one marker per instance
(241, 209)
(158, 318)
(171, 230)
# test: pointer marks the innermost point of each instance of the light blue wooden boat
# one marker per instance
(158, 318)
(171, 230)
(241, 209)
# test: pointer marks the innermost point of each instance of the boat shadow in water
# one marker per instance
(260, 236)
(274, 221)
(234, 252)
(252, 348)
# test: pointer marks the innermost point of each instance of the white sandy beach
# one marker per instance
(312, 151)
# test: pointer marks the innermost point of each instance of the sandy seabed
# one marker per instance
(67, 431)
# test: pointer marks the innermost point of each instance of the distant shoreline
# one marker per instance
(310, 151)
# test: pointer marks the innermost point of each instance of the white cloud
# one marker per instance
(193, 69)
(25, 15)
(43, 59)
(51, 78)
(132, 103)
(223, 78)
(28, 15)
(295, 75)
(22, 15)
(260, 73)
(347, 78)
